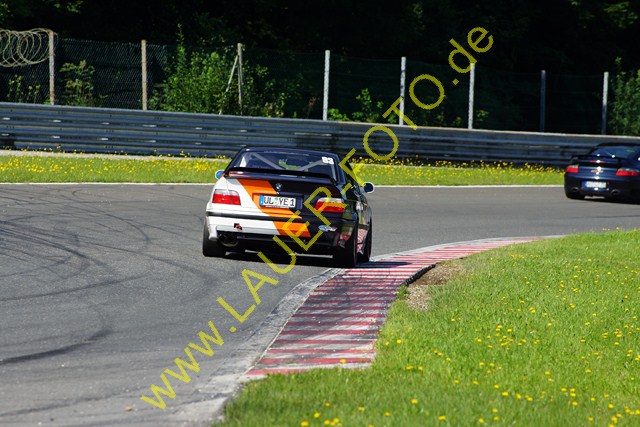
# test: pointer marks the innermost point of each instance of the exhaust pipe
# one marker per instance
(228, 240)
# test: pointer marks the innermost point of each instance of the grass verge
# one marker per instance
(545, 333)
(37, 168)
(34, 168)
(446, 173)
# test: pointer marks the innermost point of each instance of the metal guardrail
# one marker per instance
(101, 130)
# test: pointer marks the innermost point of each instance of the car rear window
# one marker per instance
(630, 153)
(283, 160)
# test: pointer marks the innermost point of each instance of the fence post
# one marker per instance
(143, 47)
(233, 70)
(403, 78)
(472, 83)
(325, 93)
(605, 96)
(543, 98)
(240, 77)
(52, 70)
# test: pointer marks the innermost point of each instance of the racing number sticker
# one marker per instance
(327, 160)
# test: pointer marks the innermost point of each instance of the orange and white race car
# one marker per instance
(289, 201)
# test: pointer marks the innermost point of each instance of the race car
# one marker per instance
(610, 170)
(281, 201)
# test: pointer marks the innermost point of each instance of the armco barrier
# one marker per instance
(102, 130)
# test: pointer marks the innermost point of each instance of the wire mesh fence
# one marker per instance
(574, 103)
(288, 84)
(296, 78)
(510, 100)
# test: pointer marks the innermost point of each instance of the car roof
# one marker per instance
(619, 144)
(339, 170)
(289, 150)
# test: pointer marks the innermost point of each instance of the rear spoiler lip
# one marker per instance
(291, 173)
(598, 160)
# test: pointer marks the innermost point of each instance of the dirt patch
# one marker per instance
(418, 292)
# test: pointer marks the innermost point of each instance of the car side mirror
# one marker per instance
(219, 174)
(369, 187)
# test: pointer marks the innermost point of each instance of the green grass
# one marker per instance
(110, 169)
(35, 168)
(444, 173)
(545, 333)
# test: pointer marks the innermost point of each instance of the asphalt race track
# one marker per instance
(103, 286)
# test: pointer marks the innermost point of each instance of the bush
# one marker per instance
(20, 92)
(78, 85)
(370, 111)
(201, 82)
(625, 108)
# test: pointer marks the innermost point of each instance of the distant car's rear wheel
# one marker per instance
(348, 256)
(366, 255)
(209, 248)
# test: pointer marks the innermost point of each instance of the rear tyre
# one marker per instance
(366, 255)
(209, 248)
(347, 257)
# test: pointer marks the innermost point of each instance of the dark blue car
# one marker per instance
(610, 170)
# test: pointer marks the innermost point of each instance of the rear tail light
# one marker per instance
(572, 169)
(226, 197)
(326, 204)
(627, 172)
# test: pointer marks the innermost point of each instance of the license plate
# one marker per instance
(595, 184)
(277, 201)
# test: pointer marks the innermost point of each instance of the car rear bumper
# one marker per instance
(614, 187)
(259, 233)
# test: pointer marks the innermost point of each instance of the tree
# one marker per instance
(27, 14)
(577, 36)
